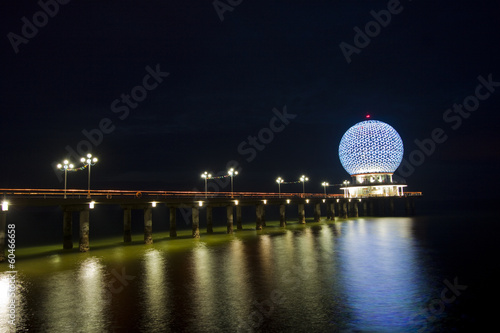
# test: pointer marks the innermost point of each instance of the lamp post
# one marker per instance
(346, 190)
(206, 176)
(65, 166)
(325, 184)
(303, 179)
(279, 180)
(90, 161)
(231, 172)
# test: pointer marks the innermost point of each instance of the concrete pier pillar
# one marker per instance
(258, 213)
(344, 209)
(67, 229)
(282, 215)
(239, 225)
(391, 207)
(332, 211)
(302, 213)
(3, 235)
(365, 207)
(173, 221)
(210, 221)
(148, 225)
(84, 230)
(127, 225)
(317, 212)
(229, 214)
(371, 205)
(355, 209)
(264, 216)
(195, 216)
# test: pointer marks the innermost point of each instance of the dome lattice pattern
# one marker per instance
(371, 146)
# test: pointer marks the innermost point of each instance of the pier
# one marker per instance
(82, 202)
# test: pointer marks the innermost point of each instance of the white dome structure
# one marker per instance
(371, 151)
(371, 146)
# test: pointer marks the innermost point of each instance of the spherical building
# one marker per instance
(370, 151)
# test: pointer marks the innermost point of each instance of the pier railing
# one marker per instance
(109, 194)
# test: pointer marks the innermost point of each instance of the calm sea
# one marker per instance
(419, 274)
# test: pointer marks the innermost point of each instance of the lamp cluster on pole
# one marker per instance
(280, 181)
(231, 172)
(304, 179)
(89, 161)
(325, 184)
(65, 166)
(206, 176)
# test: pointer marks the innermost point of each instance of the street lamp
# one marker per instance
(279, 180)
(303, 179)
(324, 184)
(346, 190)
(90, 161)
(232, 173)
(206, 176)
(66, 165)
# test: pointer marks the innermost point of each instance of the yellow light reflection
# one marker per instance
(155, 291)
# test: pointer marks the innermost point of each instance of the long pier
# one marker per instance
(81, 201)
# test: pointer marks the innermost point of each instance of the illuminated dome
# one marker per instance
(371, 146)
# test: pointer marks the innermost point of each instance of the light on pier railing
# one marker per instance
(91, 204)
(153, 204)
(338, 200)
(307, 200)
(5, 206)
(265, 202)
(349, 200)
(236, 202)
(287, 201)
(200, 203)
(324, 200)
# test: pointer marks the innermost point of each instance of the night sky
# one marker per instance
(203, 86)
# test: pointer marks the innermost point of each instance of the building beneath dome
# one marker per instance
(371, 151)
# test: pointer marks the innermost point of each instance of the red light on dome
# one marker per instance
(368, 116)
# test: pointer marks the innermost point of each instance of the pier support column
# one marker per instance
(302, 213)
(332, 211)
(195, 216)
(264, 216)
(84, 230)
(148, 225)
(391, 207)
(229, 214)
(67, 229)
(317, 212)
(371, 204)
(258, 213)
(355, 209)
(210, 221)
(282, 215)
(239, 226)
(127, 225)
(173, 221)
(344, 209)
(3, 235)
(365, 207)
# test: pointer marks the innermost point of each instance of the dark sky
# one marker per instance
(226, 77)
